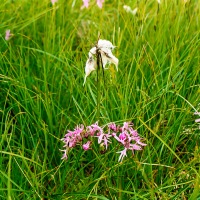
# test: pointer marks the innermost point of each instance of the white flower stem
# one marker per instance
(98, 84)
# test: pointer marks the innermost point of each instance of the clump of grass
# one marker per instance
(157, 87)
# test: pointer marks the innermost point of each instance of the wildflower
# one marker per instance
(103, 139)
(86, 146)
(113, 127)
(127, 137)
(91, 65)
(64, 155)
(158, 1)
(126, 126)
(197, 120)
(8, 35)
(122, 154)
(73, 137)
(100, 3)
(197, 113)
(85, 4)
(54, 1)
(104, 47)
(129, 10)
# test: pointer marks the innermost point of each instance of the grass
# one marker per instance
(157, 87)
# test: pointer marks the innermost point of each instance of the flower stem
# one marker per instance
(98, 85)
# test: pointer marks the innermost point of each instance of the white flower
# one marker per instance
(104, 47)
(129, 10)
(158, 1)
(108, 57)
(105, 44)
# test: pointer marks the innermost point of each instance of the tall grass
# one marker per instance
(157, 88)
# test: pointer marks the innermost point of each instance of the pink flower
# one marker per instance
(126, 126)
(127, 137)
(72, 137)
(104, 139)
(97, 129)
(122, 154)
(197, 120)
(86, 146)
(112, 126)
(64, 155)
(8, 35)
(122, 136)
(85, 4)
(135, 147)
(100, 3)
(54, 1)
(197, 113)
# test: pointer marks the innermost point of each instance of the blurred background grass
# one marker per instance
(157, 87)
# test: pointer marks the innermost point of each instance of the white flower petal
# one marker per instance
(158, 1)
(92, 51)
(134, 11)
(105, 48)
(108, 57)
(90, 66)
(105, 44)
(127, 8)
(104, 60)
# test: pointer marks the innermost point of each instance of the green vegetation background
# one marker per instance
(157, 87)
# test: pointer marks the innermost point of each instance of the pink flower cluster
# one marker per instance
(86, 3)
(126, 136)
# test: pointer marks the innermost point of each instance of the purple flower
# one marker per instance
(122, 154)
(100, 3)
(122, 136)
(127, 137)
(104, 139)
(96, 129)
(72, 137)
(54, 1)
(126, 126)
(112, 126)
(135, 147)
(8, 35)
(85, 4)
(86, 146)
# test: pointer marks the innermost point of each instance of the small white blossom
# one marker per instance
(91, 65)
(129, 10)
(105, 44)
(105, 48)
(158, 1)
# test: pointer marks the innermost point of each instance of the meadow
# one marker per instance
(157, 88)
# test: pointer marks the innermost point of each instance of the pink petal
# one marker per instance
(85, 4)
(100, 3)
(86, 146)
(197, 120)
